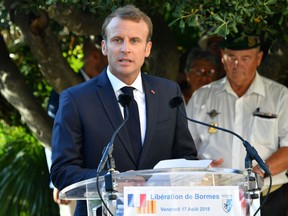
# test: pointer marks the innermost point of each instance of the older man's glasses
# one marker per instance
(203, 72)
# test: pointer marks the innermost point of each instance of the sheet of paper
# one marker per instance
(180, 163)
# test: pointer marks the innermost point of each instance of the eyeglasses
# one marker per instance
(203, 72)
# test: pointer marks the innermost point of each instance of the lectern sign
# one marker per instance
(184, 201)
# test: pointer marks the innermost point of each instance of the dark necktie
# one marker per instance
(133, 123)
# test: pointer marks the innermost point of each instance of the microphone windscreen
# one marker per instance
(124, 99)
(175, 102)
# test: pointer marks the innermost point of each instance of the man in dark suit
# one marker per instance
(89, 113)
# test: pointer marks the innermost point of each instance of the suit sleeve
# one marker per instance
(67, 159)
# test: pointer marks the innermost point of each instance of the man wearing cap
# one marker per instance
(253, 107)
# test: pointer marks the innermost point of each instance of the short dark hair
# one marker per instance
(128, 12)
(91, 44)
(196, 54)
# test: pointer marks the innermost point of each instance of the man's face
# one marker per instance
(126, 48)
(241, 65)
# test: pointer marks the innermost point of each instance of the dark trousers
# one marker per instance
(276, 203)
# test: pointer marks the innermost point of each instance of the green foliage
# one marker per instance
(7, 133)
(73, 51)
(75, 58)
(267, 18)
(24, 177)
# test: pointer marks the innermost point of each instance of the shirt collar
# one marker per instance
(257, 86)
(117, 84)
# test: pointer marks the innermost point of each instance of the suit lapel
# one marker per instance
(111, 106)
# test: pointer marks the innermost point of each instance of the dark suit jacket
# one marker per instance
(89, 114)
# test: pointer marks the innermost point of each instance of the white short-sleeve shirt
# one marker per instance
(218, 104)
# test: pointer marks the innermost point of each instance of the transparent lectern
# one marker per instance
(171, 191)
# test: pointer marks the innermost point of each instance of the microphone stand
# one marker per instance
(108, 160)
(110, 183)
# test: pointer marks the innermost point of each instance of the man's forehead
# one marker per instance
(117, 25)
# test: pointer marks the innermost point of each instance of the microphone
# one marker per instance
(251, 151)
(124, 100)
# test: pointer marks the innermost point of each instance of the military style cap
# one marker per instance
(241, 43)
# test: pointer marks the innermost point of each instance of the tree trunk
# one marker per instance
(19, 95)
(77, 21)
(46, 49)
